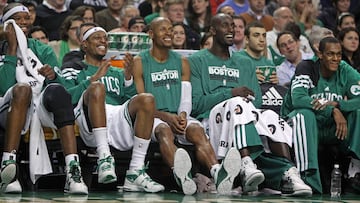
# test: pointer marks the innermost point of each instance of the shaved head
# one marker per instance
(157, 21)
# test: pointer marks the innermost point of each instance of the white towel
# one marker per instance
(223, 119)
(27, 72)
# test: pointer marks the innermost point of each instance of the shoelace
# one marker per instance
(142, 172)
(75, 172)
(107, 159)
(7, 162)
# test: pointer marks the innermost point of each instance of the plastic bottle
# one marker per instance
(335, 189)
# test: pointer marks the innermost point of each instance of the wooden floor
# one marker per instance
(114, 196)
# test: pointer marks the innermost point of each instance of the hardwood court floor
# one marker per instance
(164, 197)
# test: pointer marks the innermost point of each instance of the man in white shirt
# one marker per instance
(289, 46)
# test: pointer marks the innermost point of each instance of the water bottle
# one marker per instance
(335, 189)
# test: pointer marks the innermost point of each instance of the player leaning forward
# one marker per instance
(110, 113)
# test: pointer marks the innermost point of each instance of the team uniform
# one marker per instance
(118, 94)
(232, 121)
(8, 79)
(163, 80)
(313, 127)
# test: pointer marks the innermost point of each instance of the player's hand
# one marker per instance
(128, 65)
(319, 104)
(10, 35)
(242, 92)
(102, 69)
(260, 76)
(341, 124)
(174, 121)
(47, 72)
(274, 78)
(183, 119)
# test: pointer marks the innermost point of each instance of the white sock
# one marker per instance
(139, 152)
(8, 156)
(71, 157)
(102, 145)
(213, 169)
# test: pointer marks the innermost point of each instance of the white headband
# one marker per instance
(91, 31)
(14, 10)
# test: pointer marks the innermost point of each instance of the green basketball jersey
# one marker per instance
(116, 92)
(213, 78)
(163, 80)
(308, 84)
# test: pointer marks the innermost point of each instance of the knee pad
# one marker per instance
(58, 101)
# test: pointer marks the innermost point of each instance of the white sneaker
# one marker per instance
(251, 177)
(293, 185)
(106, 170)
(140, 181)
(13, 187)
(230, 168)
(182, 172)
(8, 173)
(74, 183)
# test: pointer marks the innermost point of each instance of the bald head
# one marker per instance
(157, 21)
(218, 18)
(282, 16)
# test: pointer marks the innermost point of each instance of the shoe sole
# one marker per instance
(252, 183)
(8, 174)
(132, 187)
(76, 192)
(298, 193)
(13, 187)
(231, 165)
(182, 167)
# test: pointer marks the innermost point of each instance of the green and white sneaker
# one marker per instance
(182, 172)
(140, 181)
(74, 183)
(106, 170)
(229, 169)
(8, 173)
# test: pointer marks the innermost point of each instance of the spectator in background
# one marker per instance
(256, 12)
(304, 42)
(282, 16)
(239, 36)
(158, 11)
(214, 4)
(239, 6)
(227, 10)
(86, 12)
(330, 15)
(199, 15)
(69, 41)
(289, 46)
(179, 39)
(255, 39)
(50, 15)
(136, 24)
(206, 41)
(174, 10)
(31, 5)
(345, 20)
(316, 35)
(305, 15)
(127, 12)
(146, 7)
(275, 4)
(349, 40)
(39, 33)
(109, 18)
